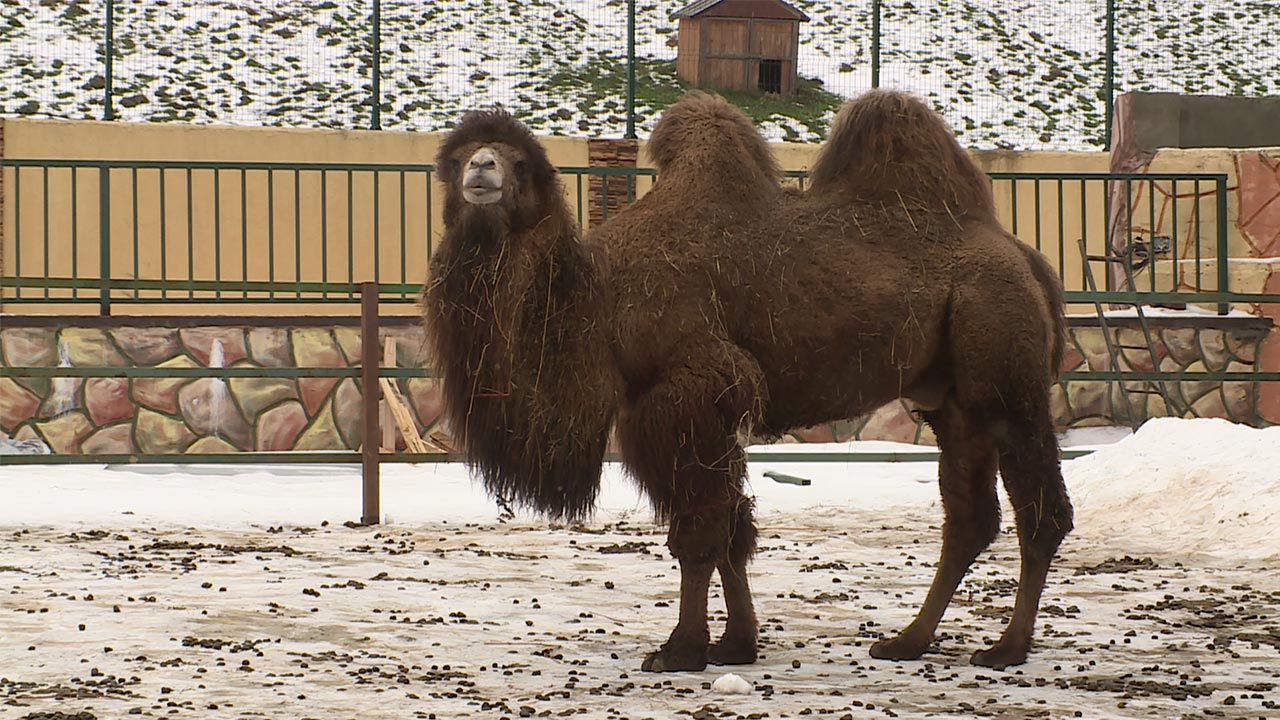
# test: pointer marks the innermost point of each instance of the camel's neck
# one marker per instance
(518, 327)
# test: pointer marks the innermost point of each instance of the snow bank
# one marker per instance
(1182, 488)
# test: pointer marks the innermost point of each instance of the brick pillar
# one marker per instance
(622, 188)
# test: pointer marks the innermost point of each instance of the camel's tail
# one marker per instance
(890, 146)
(1052, 288)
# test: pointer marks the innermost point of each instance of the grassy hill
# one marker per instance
(1008, 73)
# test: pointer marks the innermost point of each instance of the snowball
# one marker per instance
(730, 684)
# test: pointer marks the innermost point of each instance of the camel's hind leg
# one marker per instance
(967, 480)
(679, 439)
(1032, 477)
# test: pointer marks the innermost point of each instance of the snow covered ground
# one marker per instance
(238, 592)
(1013, 73)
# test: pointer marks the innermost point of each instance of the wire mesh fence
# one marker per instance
(1018, 73)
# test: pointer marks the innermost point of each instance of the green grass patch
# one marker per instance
(658, 86)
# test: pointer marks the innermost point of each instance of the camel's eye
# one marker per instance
(522, 170)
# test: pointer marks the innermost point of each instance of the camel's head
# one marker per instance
(491, 162)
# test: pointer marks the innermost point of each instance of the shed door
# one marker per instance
(770, 76)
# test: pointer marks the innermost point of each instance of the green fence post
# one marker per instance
(104, 240)
(631, 70)
(1224, 277)
(376, 40)
(108, 113)
(1109, 79)
(875, 43)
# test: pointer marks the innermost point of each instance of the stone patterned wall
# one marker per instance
(1259, 224)
(177, 415)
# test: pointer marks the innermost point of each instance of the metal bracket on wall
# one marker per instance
(1114, 349)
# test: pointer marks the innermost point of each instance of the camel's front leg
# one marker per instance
(680, 440)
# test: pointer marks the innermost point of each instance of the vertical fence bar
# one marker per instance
(297, 228)
(324, 230)
(875, 43)
(580, 209)
(369, 401)
(1198, 217)
(376, 41)
(1173, 237)
(17, 223)
(404, 261)
(244, 231)
(45, 198)
(1151, 234)
(1084, 227)
(108, 112)
(1224, 276)
(430, 220)
(133, 200)
(104, 240)
(217, 231)
(271, 230)
(631, 70)
(1109, 77)
(191, 241)
(1039, 241)
(164, 238)
(75, 230)
(351, 230)
(1062, 237)
(377, 230)
(1013, 200)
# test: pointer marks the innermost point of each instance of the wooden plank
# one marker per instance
(384, 412)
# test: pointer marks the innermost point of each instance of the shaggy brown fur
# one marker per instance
(734, 305)
(890, 147)
(513, 309)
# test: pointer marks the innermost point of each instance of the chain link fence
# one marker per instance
(1016, 73)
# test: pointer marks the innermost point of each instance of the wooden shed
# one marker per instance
(749, 45)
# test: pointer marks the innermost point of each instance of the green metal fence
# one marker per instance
(116, 233)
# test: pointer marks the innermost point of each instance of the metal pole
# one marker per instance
(377, 65)
(876, 40)
(1109, 80)
(631, 70)
(369, 396)
(108, 113)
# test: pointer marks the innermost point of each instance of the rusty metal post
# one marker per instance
(370, 393)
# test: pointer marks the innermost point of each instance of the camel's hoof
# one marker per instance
(731, 652)
(669, 660)
(1000, 657)
(898, 648)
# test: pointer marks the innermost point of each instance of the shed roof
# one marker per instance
(766, 9)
